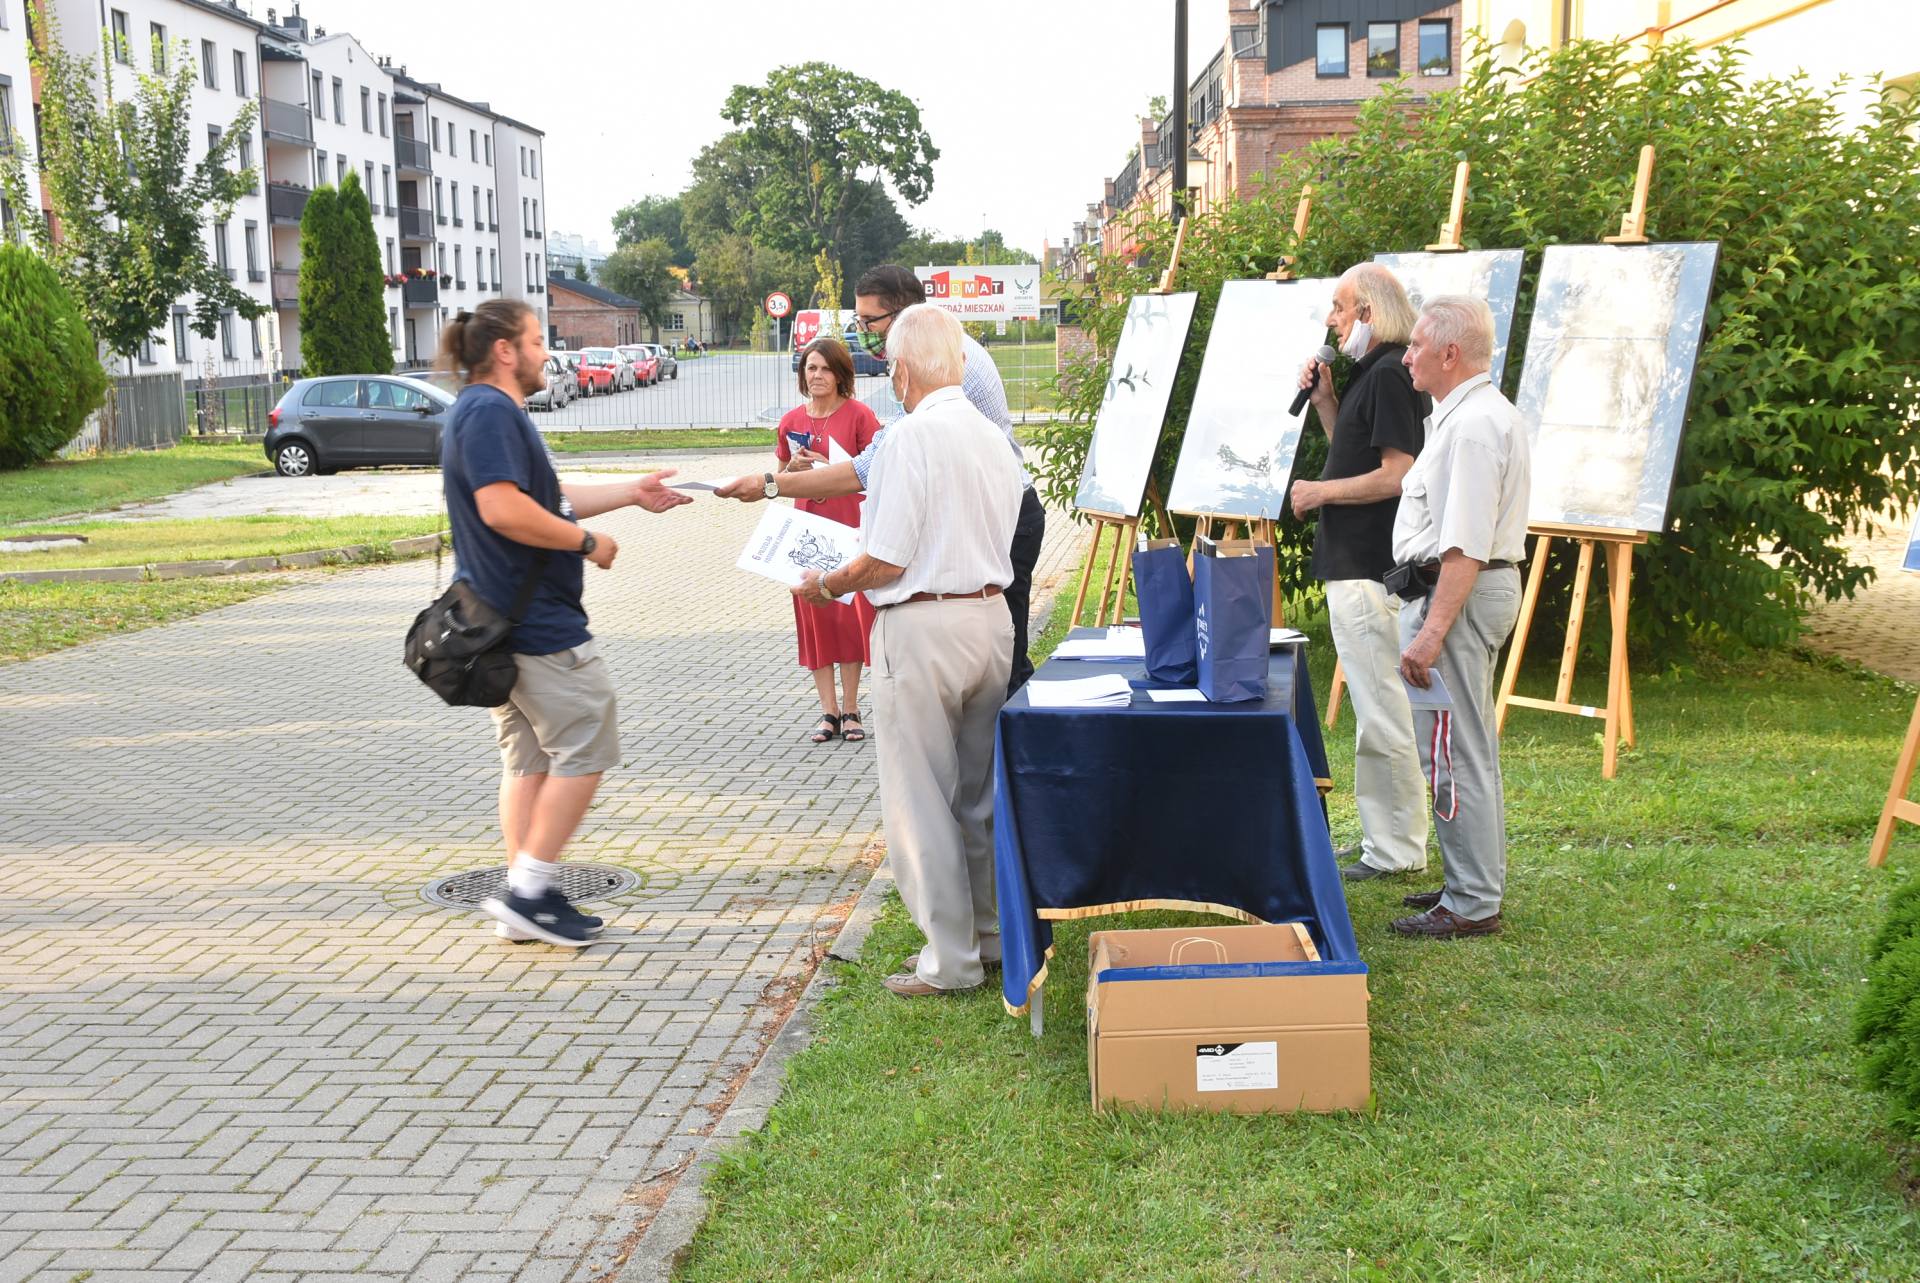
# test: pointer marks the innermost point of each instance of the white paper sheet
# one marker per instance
(1108, 691)
(789, 542)
(714, 484)
(1281, 636)
(1116, 643)
(836, 453)
(1181, 695)
(1435, 696)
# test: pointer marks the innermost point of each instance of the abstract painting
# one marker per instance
(1491, 275)
(1126, 432)
(1608, 371)
(1237, 455)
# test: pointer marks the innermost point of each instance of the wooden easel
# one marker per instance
(1897, 806)
(1125, 529)
(1449, 243)
(1284, 272)
(1617, 712)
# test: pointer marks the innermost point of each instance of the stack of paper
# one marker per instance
(1281, 636)
(1115, 643)
(1110, 691)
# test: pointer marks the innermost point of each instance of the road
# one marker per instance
(726, 389)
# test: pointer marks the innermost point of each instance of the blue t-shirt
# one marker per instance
(489, 439)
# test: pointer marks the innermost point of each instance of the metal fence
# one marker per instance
(143, 411)
(232, 404)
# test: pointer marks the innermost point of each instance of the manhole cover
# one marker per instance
(579, 882)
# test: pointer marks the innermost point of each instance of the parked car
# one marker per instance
(599, 370)
(325, 424)
(669, 363)
(864, 362)
(646, 366)
(559, 389)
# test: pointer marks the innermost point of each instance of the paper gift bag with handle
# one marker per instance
(1232, 610)
(1165, 590)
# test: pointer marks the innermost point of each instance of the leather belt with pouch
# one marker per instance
(1415, 580)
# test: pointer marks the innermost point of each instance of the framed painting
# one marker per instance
(1492, 275)
(1133, 408)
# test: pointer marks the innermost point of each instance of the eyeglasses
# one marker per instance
(864, 323)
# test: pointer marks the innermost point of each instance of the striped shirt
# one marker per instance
(982, 386)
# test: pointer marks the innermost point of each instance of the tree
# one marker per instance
(640, 272)
(343, 318)
(131, 208)
(715, 204)
(1804, 422)
(50, 375)
(735, 275)
(813, 136)
(651, 218)
(580, 271)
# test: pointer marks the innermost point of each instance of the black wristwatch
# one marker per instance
(770, 486)
(588, 543)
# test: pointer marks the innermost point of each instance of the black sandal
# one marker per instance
(828, 728)
(853, 734)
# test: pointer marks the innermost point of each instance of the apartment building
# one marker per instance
(328, 106)
(16, 95)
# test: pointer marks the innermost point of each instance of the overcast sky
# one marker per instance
(1031, 102)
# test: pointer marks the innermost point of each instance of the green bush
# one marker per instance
(1804, 420)
(343, 311)
(1887, 1025)
(50, 373)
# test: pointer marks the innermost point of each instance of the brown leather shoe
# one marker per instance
(1440, 923)
(1423, 899)
(909, 985)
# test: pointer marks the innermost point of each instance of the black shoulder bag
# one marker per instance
(458, 645)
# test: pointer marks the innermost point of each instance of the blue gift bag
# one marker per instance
(1232, 618)
(1165, 590)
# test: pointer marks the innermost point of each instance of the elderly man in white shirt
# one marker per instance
(945, 494)
(1458, 540)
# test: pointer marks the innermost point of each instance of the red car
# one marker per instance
(599, 366)
(646, 366)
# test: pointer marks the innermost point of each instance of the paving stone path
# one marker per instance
(1879, 628)
(237, 1043)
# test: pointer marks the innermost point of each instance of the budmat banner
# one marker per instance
(974, 293)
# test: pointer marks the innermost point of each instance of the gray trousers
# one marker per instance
(939, 677)
(1473, 845)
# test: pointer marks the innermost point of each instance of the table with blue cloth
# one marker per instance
(1179, 805)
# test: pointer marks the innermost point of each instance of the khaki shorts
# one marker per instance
(559, 720)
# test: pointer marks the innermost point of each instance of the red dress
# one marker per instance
(833, 634)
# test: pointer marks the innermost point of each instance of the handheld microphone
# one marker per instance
(1325, 356)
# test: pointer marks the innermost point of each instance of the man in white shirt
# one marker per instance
(935, 536)
(1458, 541)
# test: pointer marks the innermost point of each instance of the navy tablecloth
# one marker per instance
(1179, 805)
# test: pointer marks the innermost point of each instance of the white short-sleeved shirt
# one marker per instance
(944, 501)
(1469, 487)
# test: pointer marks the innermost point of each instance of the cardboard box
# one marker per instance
(1243, 1019)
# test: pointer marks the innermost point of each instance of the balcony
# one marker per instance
(421, 291)
(415, 224)
(412, 154)
(286, 202)
(286, 287)
(287, 122)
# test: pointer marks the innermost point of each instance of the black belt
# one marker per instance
(1412, 581)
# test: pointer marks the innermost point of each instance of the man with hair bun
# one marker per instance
(1373, 435)
(1458, 541)
(515, 525)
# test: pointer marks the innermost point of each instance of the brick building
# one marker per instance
(1291, 71)
(581, 314)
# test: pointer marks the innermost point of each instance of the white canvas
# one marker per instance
(1491, 275)
(1133, 408)
(1608, 371)
(1237, 455)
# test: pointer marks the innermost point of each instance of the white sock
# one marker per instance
(528, 878)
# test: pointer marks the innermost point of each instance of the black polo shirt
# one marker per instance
(1379, 411)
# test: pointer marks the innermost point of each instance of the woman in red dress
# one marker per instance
(836, 635)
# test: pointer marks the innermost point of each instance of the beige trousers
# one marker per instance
(939, 677)
(1388, 789)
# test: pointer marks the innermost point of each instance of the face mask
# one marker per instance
(874, 342)
(1359, 339)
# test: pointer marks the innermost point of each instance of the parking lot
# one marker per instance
(722, 390)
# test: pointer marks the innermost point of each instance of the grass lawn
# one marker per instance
(562, 442)
(1027, 370)
(38, 618)
(67, 486)
(134, 543)
(1648, 1077)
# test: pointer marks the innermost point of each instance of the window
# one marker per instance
(493, 223)
(453, 140)
(240, 72)
(493, 266)
(523, 162)
(253, 252)
(226, 334)
(386, 187)
(369, 181)
(6, 115)
(1246, 41)
(533, 162)
(460, 266)
(146, 344)
(390, 267)
(456, 206)
(393, 323)
(209, 64)
(440, 200)
(319, 93)
(477, 224)
(220, 249)
(526, 222)
(366, 110)
(246, 158)
(180, 335)
(122, 38)
(320, 167)
(436, 133)
(1330, 49)
(213, 139)
(340, 170)
(157, 37)
(536, 218)
(1436, 48)
(473, 144)
(253, 332)
(339, 101)
(334, 394)
(383, 115)
(1383, 49)
(486, 145)
(676, 320)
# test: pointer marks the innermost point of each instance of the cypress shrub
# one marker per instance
(50, 373)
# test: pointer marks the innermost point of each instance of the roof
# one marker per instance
(587, 289)
(432, 87)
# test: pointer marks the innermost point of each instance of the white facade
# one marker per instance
(16, 102)
(568, 250)
(466, 202)
(522, 165)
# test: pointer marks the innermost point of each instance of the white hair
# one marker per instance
(1464, 321)
(1379, 290)
(927, 341)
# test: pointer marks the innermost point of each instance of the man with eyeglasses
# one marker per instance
(879, 297)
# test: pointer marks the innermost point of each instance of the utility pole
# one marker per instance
(1179, 139)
